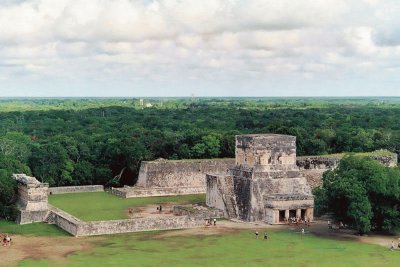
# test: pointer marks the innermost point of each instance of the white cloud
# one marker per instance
(209, 41)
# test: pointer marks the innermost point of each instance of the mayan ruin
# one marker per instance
(265, 184)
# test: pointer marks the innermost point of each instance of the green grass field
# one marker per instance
(284, 248)
(99, 206)
(34, 229)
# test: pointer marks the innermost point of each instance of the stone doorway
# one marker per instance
(281, 216)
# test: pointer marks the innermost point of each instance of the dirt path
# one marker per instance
(52, 248)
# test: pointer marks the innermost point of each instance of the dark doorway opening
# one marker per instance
(281, 216)
(292, 213)
(303, 213)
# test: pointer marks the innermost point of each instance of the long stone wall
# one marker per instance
(180, 173)
(136, 225)
(75, 189)
(132, 192)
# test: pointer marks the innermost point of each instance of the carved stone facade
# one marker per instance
(265, 184)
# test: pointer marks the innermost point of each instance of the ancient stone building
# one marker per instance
(32, 199)
(265, 184)
(173, 177)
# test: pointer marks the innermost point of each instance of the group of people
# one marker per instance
(265, 235)
(211, 222)
(298, 220)
(6, 240)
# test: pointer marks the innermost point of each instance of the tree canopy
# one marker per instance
(362, 193)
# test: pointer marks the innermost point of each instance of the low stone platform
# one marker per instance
(136, 191)
(75, 189)
(77, 227)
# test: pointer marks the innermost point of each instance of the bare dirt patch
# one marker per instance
(320, 228)
(52, 248)
(151, 211)
(222, 227)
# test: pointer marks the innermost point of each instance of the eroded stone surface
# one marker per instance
(32, 199)
(266, 182)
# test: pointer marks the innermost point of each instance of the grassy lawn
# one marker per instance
(99, 206)
(284, 248)
(34, 229)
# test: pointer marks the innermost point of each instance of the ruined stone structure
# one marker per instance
(313, 167)
(265, 184)
(33, 207)
(173, 177)
(180, 177)
(32, 199)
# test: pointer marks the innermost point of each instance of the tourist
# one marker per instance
(398, 244)
(215, 222)
(329, 225)
(160, 209)
(256, 234)
(302, 231)
(8, 239)
(392, 246)
(265, 236)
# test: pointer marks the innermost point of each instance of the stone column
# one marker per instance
(298, 213)
(276, 216)
(287, 214)
(310, 213)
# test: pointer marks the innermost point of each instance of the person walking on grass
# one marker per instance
(392, 246)
(256, 234)
(265, 236)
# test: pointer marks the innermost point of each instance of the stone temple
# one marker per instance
(265, 184)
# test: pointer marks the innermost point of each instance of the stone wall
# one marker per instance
(75, 189)
(136, 225)
(132, 192)
(180, 173)
(198, 212)
(25, 217)
(313, 167)
(64, 220)
(76, 227)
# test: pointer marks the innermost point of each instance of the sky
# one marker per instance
(84, 48)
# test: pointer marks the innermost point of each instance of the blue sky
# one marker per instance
(206, 48)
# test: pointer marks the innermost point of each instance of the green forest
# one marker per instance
(103, 141)
(91, 141)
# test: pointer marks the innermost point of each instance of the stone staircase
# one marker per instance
(228, 195)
